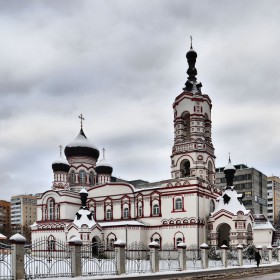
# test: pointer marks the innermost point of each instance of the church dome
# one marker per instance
(81, 146)
(60, 164)
(103, 167)
(191, 54)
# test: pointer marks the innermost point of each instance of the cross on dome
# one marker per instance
(82, 119)
(191, 41)
(103, 153)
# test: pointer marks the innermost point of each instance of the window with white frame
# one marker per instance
(108, 214)
(82, 176)
(51, 209)
(155, 210)
(126, 212)
(91, 178)
(140, 210)
(178, 203)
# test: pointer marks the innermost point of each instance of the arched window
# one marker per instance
(108, 214)
(51, 243)
(178, 203)
(111, 243)
(187, 125)
(82, 177)
(73, 177)
(125, 212)
(212, 205)
(185, 168)
(178, 240)
(140, 211)
(155, 210)
(51, 209)
(210, 172)
(91, 182)
(57, 212)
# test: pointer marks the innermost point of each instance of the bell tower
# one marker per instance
(193, 151)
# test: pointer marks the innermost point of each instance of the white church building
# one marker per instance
(85, 203)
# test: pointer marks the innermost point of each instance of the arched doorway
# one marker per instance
(224, 235)
(95, 246)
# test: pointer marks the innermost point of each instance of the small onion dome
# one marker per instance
(229, 172)
(81, 147)
(102, 167)
(191, 54)
(60, 164)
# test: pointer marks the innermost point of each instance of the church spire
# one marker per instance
(229, 172)
(191, 84)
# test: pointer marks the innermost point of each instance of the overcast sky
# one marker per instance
(121, 64)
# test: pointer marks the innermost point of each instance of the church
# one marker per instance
(85, 202)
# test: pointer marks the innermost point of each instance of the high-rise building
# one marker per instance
(5, 217)
(23, 211)
(251, 183)
(273, 199)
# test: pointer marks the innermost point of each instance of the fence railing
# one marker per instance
(51, 258)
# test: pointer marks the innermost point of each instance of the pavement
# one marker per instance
(269, 272)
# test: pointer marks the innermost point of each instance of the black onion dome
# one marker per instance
(103, 167)
(60, 164)
(191, 54)
(81, 147)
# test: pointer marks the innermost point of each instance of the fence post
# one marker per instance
(154, 256)
(239, 254)
(278, 253)
(204, 255)
(182, 255)
(269, 248)
(120, 256)
(75, 245)
(259, 248)
(17, 241)
(224, 252)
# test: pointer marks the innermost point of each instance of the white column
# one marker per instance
(120, 256)
(154, 256)
(224, 253)
(240, 255)
(204, 255)
(182, 255)
(17, 241)
(269, 248)
(75, 245)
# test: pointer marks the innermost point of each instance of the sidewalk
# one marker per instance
(225, 273)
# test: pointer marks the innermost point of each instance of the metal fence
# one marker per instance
(5, 261)
(193, 258)
(137, 258)
(46, 258)
(215, 257)
(168, 258)
(249, 254)
(97, 259)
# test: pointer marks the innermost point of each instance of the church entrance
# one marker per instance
(95, 246)
(224, 235)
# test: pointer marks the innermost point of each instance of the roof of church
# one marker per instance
(83, 218)
(81, 146)
(61, 164)
(230, 201)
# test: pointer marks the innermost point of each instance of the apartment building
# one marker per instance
(251, 183)
(23, 211)
(273, 199)
(5, 217)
